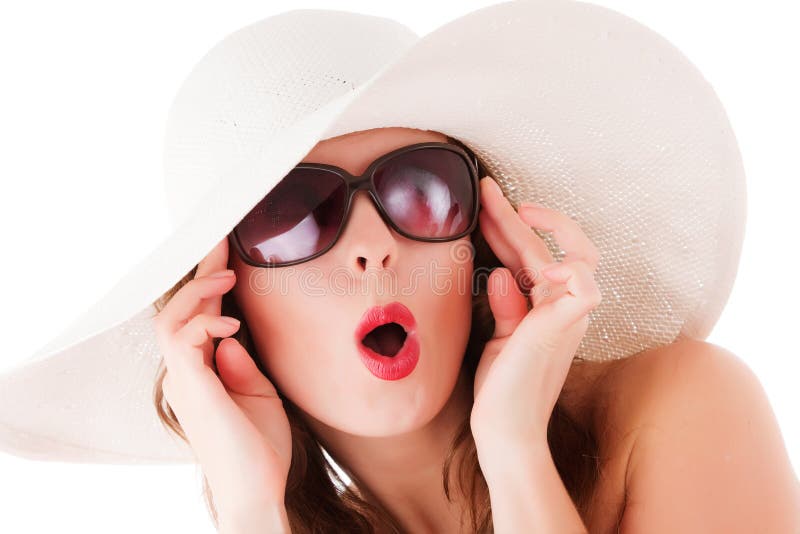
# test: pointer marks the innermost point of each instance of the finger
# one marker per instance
(498, 243)
(508, 305)
(239, 372)
(526, 278)
(516, 231)
(186, 301)
(214, 261)
(546, 289)
(583, 294)
(566, 231)
(517, 245)
(201, 329)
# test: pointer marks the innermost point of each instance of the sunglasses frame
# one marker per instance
(365, 181)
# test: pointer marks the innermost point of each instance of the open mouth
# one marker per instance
(386, 339)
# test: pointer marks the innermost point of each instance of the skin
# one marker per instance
(393, 434)
(678, 452)
(689, 443)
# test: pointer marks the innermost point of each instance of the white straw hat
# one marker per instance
(566, 103)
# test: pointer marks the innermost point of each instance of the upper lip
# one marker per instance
(394, 312)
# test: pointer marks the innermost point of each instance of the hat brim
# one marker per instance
(568, 104)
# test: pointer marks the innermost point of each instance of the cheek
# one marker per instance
(442, 302)
(308, 354)
(449, 314)
(291, 329)
(304, 339)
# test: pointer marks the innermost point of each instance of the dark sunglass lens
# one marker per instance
(427, 192)
(297, 219)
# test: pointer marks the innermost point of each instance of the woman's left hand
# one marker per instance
(524, 365)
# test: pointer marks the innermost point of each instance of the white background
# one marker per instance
(85, 91)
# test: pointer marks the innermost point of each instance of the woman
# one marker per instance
(675, 438)
(505, 410)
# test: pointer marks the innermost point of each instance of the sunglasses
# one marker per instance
(425, 192)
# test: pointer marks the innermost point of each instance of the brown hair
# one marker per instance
(317, 500)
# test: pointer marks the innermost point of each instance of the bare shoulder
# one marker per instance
(681, 380)
(699, 443)
(663, 382)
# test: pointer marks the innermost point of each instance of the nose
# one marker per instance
(366, 241)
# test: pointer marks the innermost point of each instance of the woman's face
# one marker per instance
(303, 317)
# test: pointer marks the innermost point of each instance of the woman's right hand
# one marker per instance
(233, 418)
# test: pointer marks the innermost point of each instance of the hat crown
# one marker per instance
(261, 79)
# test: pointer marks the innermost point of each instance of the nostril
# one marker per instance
(362, 262)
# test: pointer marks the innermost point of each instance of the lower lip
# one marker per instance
(392, 367)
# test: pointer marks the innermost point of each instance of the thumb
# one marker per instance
(239, 372)
(508, 305)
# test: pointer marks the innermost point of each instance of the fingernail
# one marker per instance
(222, 274)
(230, 320)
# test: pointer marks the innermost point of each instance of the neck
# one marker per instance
(404, 472)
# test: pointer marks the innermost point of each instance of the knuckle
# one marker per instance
(196, 325)
(200, 283)
(594, 256)
(201, 319)
(186, 332)
(576, 267)
(594, 297)
(195, 321)
(586, 271)
(194, 283)
(594, 249)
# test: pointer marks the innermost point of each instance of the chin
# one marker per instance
(364, 405)
(377, 415)
(392, 413)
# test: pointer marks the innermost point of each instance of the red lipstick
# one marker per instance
(383, 366)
